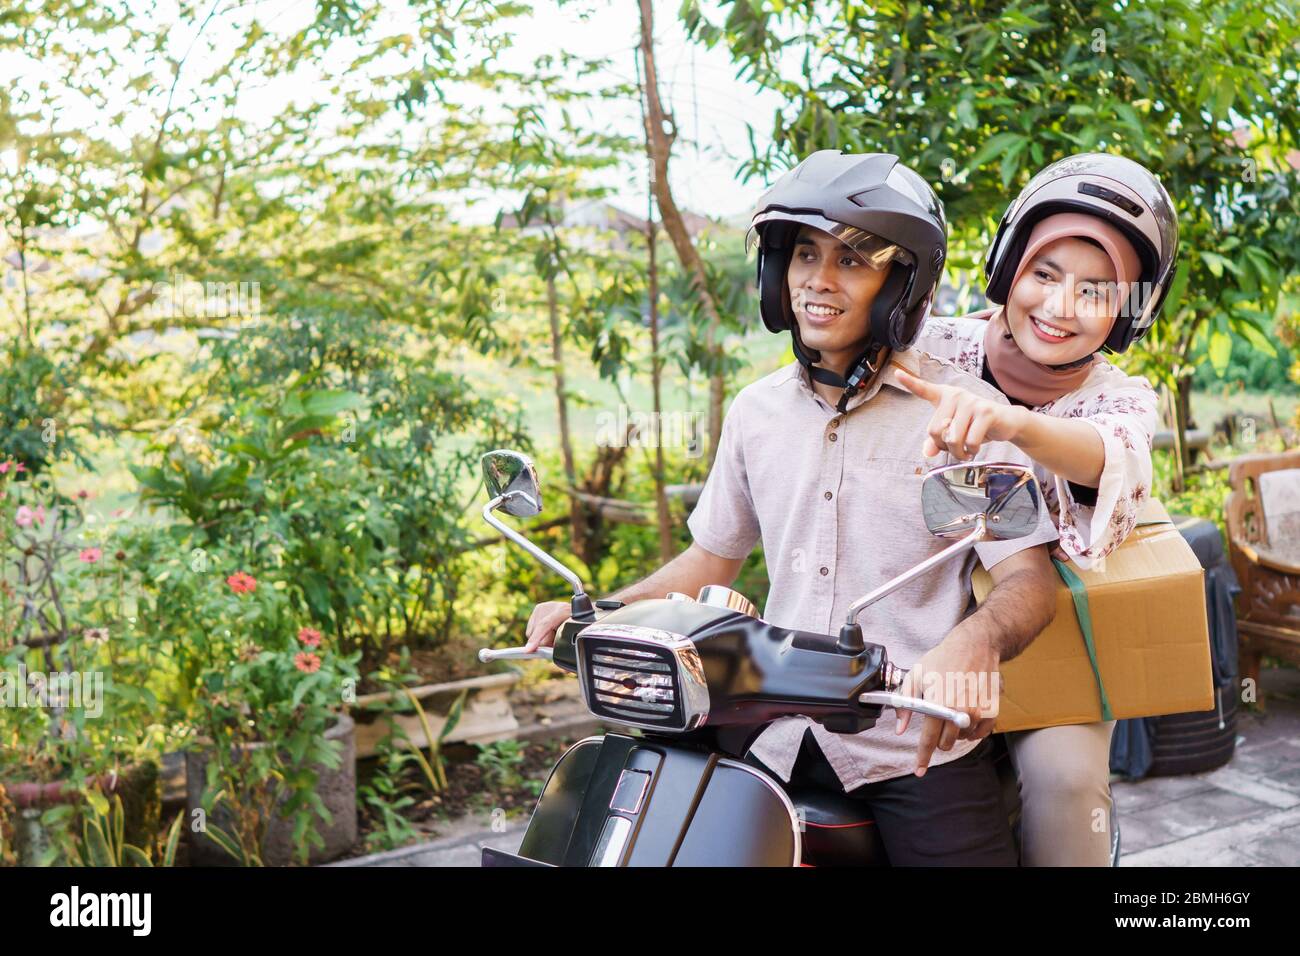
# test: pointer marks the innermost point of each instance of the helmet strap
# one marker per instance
(861, 369)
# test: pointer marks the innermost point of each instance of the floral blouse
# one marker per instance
(1121, 407)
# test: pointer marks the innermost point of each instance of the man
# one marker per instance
(823, 461)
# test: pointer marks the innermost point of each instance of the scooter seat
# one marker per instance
(837, 831)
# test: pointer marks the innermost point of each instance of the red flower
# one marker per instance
(309, 636)
(91, 555)
(240, 582)
(306, 662)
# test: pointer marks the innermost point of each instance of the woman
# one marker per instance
(1081, 262)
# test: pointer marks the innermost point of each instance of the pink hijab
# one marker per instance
(1020, 376)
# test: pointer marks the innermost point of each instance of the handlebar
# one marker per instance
(884, 698)
(880, 698)
(487, 655)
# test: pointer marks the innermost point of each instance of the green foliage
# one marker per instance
(977, 97)
(313, 431)
(336, 457)
(435, 774)
(1205, 494)
(384, 798)
(30, 381)
(501, 763)
(102, 837)
(1250, 369)
(76, 690)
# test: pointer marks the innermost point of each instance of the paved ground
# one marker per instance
(1246, 813)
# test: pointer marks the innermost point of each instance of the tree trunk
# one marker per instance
(577, 516)
(1178, 425)
(656, 367)
(660, 146)
(1184, 404)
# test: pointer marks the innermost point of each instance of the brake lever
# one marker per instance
(487, 655)
(884, 698)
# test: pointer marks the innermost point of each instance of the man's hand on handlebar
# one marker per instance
(544, 622)
(961, 673)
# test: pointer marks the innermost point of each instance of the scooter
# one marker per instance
(697, 679)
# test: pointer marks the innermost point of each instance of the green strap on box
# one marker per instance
(1080, 595)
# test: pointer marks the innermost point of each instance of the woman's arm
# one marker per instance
(963, 421)
(1069, 447)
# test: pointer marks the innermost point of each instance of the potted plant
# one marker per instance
(270, 763)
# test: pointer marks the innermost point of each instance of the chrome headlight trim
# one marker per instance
(691, 682)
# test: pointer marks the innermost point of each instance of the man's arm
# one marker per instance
(688, 572)
(1021, 604)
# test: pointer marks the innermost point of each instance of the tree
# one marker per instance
(977, 97)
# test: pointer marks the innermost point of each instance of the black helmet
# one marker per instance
(1118, 190)
(876, 206)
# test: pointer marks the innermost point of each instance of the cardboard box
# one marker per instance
(1149, 629)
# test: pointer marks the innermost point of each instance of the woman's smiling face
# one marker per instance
(1063, 305)
(831, 292)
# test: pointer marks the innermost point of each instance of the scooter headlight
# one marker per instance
(642, 677)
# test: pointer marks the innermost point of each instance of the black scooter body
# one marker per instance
(618, 800)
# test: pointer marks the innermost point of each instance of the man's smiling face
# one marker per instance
(831, 292)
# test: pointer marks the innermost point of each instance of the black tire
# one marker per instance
(1191, 738)
(1199, 717)
(1194, 742)
(1174, 761)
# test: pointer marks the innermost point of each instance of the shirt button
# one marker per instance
(834, 437)
(835, 423)
(825, 571)
(828, 496)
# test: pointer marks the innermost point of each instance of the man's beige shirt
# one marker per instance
(836, 501)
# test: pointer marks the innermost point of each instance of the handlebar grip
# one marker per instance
(487, 655)
(899, 702)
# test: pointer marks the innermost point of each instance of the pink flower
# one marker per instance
(91, 555)
(306, 662)
(241, 582)
(25, 517)
(309, 636)
(83, 494)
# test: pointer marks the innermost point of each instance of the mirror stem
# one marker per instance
(889, 587)
(581, 603)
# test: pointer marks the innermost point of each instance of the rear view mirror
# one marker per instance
(511, 475)
(953, 499)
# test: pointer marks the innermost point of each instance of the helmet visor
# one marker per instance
(877, 252)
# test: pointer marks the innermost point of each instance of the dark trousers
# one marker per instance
(953, 816)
